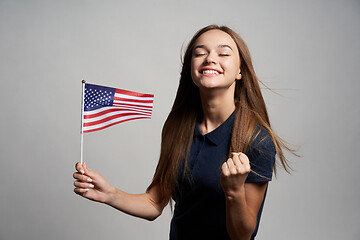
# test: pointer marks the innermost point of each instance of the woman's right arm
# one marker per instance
(93, 186)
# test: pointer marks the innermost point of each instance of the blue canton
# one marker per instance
(97, 97)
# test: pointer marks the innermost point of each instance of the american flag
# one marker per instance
(106, 106)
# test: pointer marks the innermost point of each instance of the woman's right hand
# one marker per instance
(92, 185)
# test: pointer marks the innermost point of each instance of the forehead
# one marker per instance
(215, 38)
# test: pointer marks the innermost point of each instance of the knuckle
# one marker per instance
(244, 157)
(77, 184)
(243, 172)
(84, 178)
(225, 172)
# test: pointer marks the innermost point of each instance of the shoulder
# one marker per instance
(262, 141)
(261, 154)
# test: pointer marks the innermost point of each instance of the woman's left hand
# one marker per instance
(234, 173)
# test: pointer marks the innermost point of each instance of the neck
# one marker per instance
(217, 106)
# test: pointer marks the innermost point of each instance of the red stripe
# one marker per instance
(88, 115)
(133, 100)
(132, 105)
(127, 108)
(110, 118)
(131, 93)
(96, 129)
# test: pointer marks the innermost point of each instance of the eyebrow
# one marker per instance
(219, 46)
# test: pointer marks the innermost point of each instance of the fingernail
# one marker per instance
(89, 180)
(91, 186)
(82, 171)
(86, 189)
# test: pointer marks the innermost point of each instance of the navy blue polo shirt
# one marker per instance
(199, 200)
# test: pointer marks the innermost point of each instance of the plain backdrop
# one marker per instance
(307, 52)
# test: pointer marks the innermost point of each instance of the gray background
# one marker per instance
(307, 51)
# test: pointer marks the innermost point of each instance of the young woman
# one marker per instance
(217, 151)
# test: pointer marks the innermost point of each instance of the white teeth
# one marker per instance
(210, 72)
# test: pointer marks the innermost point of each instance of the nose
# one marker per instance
(211, 58)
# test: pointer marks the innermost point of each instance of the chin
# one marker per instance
(207, 86)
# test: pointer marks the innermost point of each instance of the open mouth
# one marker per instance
(208, 71)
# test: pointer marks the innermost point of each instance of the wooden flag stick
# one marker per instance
(82, 124)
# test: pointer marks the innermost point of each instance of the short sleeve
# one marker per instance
(261, 155)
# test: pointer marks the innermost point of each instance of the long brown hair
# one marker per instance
(177, 133)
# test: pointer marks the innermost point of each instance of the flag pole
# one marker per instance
(82, 124)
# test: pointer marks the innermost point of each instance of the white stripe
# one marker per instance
(133, 103)
(112, 121)
(118, 108)
(133, 97)
(135, 109)
(88, 120)
(140, 108)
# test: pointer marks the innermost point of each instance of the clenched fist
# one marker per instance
(234, 173)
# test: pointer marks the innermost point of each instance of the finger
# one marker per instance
(89, 172)
(79, 184)
(82, 178)
(231, 166)
(246, 163)
(245, 167)
(79, 168)
(239, 166)
(225, 169)
(81, 191)
(236, 159)
(84, 167)
(241, 162)
(243, 158)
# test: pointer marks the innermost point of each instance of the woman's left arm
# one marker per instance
(243, 200)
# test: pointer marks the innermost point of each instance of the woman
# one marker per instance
(217, 151)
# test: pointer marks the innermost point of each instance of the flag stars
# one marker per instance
(97, 97)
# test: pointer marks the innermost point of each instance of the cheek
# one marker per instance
(233, 67)
(194, 64)
(193, 68)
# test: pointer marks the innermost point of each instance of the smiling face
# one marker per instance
(215, 62)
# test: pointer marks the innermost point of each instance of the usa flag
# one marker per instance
(106, 106)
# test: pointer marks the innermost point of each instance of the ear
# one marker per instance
(238, 77)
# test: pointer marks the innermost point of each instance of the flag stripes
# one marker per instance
(105, 107)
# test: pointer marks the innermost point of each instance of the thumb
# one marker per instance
(88, 171)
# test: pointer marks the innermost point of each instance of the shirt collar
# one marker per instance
(217, 135)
